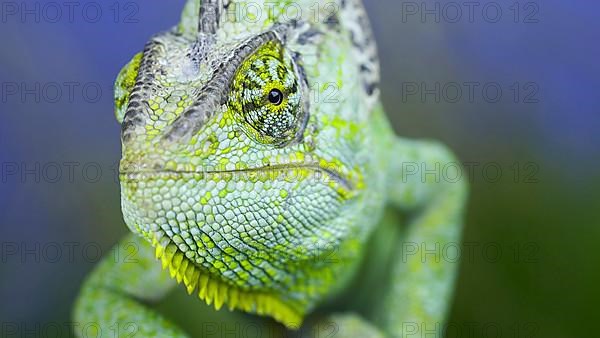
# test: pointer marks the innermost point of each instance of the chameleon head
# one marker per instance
(227, 169)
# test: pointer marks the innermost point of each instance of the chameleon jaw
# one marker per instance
(285, 302)
(212, 290)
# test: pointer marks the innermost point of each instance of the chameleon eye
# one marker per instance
(265, 96)
(276, 97)
(124, 85)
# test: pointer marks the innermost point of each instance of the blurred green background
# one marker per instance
(534, 229)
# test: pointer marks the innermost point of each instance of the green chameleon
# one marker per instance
(259, 169)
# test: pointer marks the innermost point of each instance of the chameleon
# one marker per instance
(260, 173)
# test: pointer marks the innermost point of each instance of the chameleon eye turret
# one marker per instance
(267, 98)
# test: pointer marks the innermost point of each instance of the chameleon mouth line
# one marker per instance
(332, 174)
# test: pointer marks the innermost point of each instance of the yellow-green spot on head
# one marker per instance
(204, 200)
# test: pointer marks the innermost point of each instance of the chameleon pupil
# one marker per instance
(276, 97)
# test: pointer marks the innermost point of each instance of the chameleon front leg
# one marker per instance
(426, 181)
(111, 302)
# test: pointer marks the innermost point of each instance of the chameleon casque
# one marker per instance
(259, 169)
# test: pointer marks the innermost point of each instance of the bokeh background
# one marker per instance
(534, 229)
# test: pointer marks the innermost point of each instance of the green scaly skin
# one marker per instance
(257, 165)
